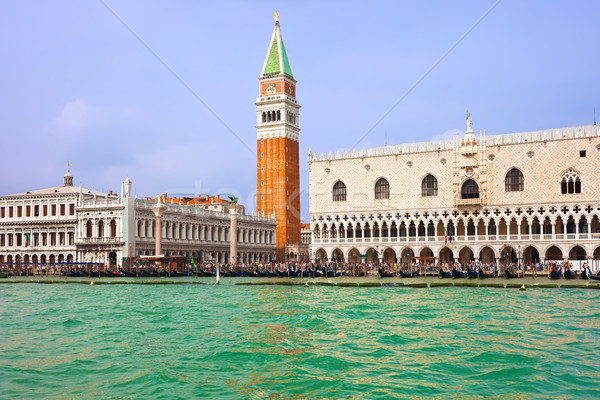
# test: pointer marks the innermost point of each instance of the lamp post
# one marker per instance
(519, 258)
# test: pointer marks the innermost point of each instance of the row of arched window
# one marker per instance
(514, 182)
(100, 229)
(429, 187)
(270, 116)
(569, 184)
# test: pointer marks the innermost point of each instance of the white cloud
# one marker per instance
(74, 118)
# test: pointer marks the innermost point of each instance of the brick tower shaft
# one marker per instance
(278, 167)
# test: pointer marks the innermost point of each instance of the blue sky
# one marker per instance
(164, 92)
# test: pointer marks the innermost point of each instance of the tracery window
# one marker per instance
(570, 182)
(382, 189)
(339, 191)
(514, 181)
(429, 186)
(470, 190)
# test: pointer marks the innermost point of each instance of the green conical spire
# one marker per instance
(277, 60)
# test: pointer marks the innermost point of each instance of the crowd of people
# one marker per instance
(339, 268)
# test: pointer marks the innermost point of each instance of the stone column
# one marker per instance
(158, 209)
(233, 236)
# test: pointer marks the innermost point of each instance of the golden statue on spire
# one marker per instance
(276, 17)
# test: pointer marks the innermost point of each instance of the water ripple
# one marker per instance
(230, 342)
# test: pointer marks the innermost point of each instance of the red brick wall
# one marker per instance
(278, 187)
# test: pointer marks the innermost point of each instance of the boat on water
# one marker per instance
(485, 275)
(510, 275)
(409, 274)
(386, 274)
(555, 274)
(456, 274)
(595, 277)
(472, 274)
(72, 273)
(568, 274)
(445, 274)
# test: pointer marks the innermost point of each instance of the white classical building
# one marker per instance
(530, 196)
(72, 224)
(40, 226)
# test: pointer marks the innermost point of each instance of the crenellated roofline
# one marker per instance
(575, 132)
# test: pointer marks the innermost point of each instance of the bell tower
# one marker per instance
(278, 167)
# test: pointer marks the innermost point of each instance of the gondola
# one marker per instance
(208, 273)
(595, 277)
(471, 274)
(510, 275)
(570, 274)
(262, 274)
(384, 274)
(72, 273)
(317, 273)
(584, 274)
(409, 274)
(232, 274)
(330, 273)
(458, 274)
(555, 274)
(445, 274)
(484, 275)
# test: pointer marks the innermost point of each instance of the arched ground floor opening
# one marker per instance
(577, 253)
(321, 255)
(372, 256)
(487, 255)
(531, 255)
(465, 255)
(446, 256)
(337, 256)
(508, 256)
(553, 253)
(407, 256)
(354, 256)
(389, 256)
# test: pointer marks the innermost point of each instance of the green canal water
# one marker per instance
(280, 342)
